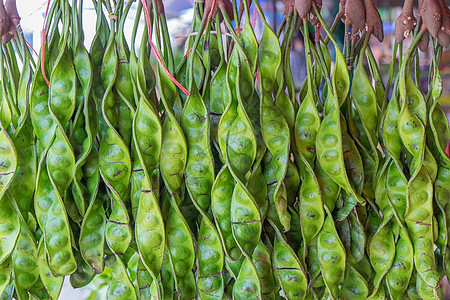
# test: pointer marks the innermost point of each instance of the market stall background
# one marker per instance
(179, 13)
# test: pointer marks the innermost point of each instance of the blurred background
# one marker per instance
(179, 14)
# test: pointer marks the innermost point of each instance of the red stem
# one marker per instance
(318, 32)
(158, 57)
(37, 54)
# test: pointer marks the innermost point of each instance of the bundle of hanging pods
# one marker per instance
(214, 178)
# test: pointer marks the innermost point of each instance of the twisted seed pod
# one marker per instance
(355, 285)
(240, 154)
(245, 220)
(123, 83)
(43, 123)
(383, 238)
(438, 129)
(274, 128)
(5, 274)
(83, 68)
(210, 282)
(120, 286)
(92, 234)
(218, 98)
(143, 281)
(420, 190)
(221, 208)
(149, 223)
(391, 138)
(287, 267)
(257, 187)
(181, 249)
(52, 218)
(23, 183)
(174, 148)
(418, 219)
(24, 261)
(114, 158)
(364, 100)
(331, 254)
(11, 228)
(247, 285)
(263, 263)
(173, 164)
(149, 230)
(8, 161)
(199, 174)
(51, 283)
(307, 123)
(399, 274)
(84, 273)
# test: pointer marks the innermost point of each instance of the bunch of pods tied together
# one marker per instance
(213, 178)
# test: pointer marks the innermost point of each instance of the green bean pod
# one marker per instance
(331, 256)
(329, 189)
(38, 291)
(8, 163)
(354, 285)
(247, 285)
(245, 220)
(97, 51)
(174, 148)
(391, 138)
(438, 128)
(329, 138)
(221, 208)
(307, 123)
(23, 182)
(274, 128)
(181, 250)
(257, 187)
(120, 286)
(53, 221)
(114, 158)
(382, 244)
(412, 133)
(84, 71)
(123, 84)
(419, 221)
(11, 227)
(24, 261)
(5, 274)
(149, 223)
(92, 234)
(263, 263)
(240, 153)
(84, 273)
(364, 125)
(210, 282)
(365, 101)
(199, 174)
(143, 281)
(52, 283)
(398, 276)
(149, 229)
